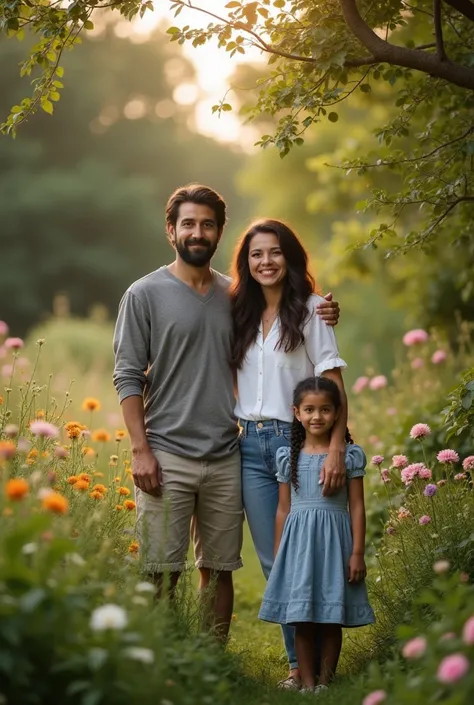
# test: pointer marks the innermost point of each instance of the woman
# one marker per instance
(278, 341)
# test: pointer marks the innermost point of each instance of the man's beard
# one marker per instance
(195, 258)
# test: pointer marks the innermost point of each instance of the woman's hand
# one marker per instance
(329, 311)
(357, 568)
(333, 473)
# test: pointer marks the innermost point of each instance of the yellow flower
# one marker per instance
(7, 450)
(119, 435)
(84, 476)
(101, 435)
(81, 485)
(96, 495)
(91, 404)
(17, 488)
(129, 504)
(100, 488)
(133, 548)
(123, 491)
(72, 479)
(116, 479)
(118, 507)
(56, 503)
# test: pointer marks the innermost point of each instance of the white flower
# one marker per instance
(108, 617)
(145, 587)
(75, 558)
(138, 653)
(137, 600)
(29, 548)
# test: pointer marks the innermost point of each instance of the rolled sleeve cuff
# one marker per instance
(329, 365)
(131, 389)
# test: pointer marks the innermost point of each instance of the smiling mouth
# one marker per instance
(268, 272)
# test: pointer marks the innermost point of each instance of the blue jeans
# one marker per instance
(258, 445)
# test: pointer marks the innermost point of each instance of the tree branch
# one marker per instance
(384, 52)
(440, 50)
(464, 7)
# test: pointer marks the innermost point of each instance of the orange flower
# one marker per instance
(81, 485)
(119, 435)
(31, 457)
(91, 404)
(84, 476)
(100, 488)
(88, 452)
(118, 507)
(117, 479)
(123, 491)
(7, 450)
(101, 435)
(1, 401)
(56, 503)
(74, 429)
(98, 474)
(133, 548)
(129, 504)
(40, 414)
(96, 495)
(16, 488)
(72, 479)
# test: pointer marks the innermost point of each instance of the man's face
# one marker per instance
(196, 234)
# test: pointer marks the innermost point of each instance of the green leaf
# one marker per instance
(173, 30)
(333, 117)
(88, 25)
(226, 107)
(47, 106)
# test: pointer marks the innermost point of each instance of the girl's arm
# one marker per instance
(357, 568)
(284, 503)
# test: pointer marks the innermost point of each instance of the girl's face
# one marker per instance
(317, 413)
(267, 263)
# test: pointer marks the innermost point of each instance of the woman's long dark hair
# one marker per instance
(248, 301)
(298, 434)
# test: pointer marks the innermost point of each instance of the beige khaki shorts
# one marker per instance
(200, 498)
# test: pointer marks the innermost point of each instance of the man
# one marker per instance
(172, 345)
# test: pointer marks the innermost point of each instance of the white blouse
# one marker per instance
(268, 376)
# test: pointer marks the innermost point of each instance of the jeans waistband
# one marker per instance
(255, 426)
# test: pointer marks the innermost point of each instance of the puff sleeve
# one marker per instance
(355, 461)
(283, 470)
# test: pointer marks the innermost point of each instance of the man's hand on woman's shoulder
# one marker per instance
(329, 310)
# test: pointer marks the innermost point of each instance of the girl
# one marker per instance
(317, 580)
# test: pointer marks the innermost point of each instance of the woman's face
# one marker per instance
(266, 261)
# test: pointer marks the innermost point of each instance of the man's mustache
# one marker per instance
(197, 241)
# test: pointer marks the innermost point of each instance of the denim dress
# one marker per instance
(309, 579)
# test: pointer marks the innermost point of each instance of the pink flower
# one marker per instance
(44, 429)
(409, 473)
(415, 647)
(399, 461)
(460, 476)
(425, 519)
(417, 363)
(7, 370)
(3, 328)
(11, 430)
(438, 357)
(392, 411)
(404, 513)
(441, 567)
(360, 384)
(420, 430)
(452, 668)
(425, 474)
(13, 343)
(448, 456)
(468, 463)
(378, 696)
(441, 483)
(378, 382)
(468, 632)
(377, 460)
(415, 337)
(60, 452)
(385, 475)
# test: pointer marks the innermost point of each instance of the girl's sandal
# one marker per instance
(289, 683)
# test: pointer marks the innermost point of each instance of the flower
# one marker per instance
(390, 530)
(430, 490)
(138, 653)
(416, 363)
(129, 504)
(425, 473)
(16, 488)
(452, 668)
(40, 414)
(91, 404)
(441, 483)
(118, 507)
(415, 647)
(3, 328)
(81, 485)
(88, 452)
(377, 460)
(100, 488)
(11, 430)
(145, 587)
(7, 450)
(448, 456)
(95, 494)
(44, 429)
(113, 461)
(425, 519)
(84, 476)
(120, 435)
(374, 698)
(399, 461)
(101, 435)
(360, 384)
(459, 476)
(420, 430)
(467, 463)
(133, 548)
(438, 357)
(123, 491)
(415, 337)
(385, 475)
(441, 567)
(56, 503)
(72, 479)
(108, 617)
(13, 343)
(74, 429)
(468, 632)
(404, 513)
(61, 452)
(409, 473)
(378, 382)
(392, 411)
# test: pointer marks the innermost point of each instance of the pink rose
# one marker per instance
(438, 357)
(452, 668)
(415, 647)
(415, 337)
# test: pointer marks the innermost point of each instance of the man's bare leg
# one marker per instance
(217, 594)
(165, 581)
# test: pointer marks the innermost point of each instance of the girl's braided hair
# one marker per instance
(298, 433)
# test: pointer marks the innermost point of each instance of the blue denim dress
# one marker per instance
(309, 578)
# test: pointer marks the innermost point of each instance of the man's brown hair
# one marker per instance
(196, 193)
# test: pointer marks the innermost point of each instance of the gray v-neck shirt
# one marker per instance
(172, 346)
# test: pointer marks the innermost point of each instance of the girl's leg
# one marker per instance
(305, 642)
(331, 635)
